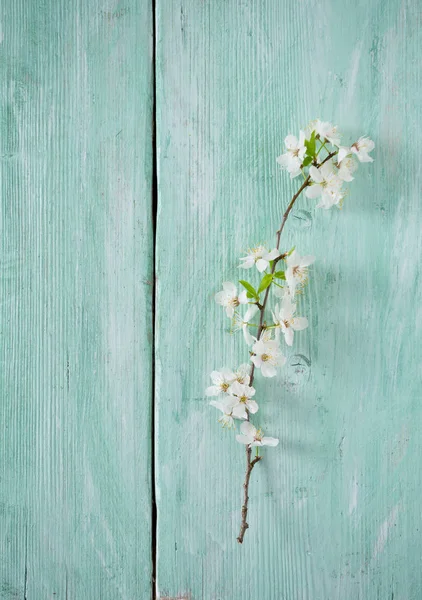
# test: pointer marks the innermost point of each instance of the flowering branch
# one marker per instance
(324, 180)
(250, 465)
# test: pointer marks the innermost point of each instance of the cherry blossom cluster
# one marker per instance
(326, 166)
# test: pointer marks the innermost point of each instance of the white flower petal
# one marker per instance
(288, 336)
(217, 404)
(268, 370)
(313, 191)
(249, 339)
(250, 313)
(315, 174)
(291, 141)
(300, 323)
(272, 255)
(261, 265)
(228, 286)
(230, 311)
(248, 429)
(242, 439)
(242, 298)
(269, 441)
(239, 411)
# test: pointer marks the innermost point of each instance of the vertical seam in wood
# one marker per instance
(154, 238)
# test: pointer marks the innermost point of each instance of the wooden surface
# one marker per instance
(335, 509)
(75, 288)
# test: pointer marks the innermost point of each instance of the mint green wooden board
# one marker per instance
(75, 289)
(335, 509)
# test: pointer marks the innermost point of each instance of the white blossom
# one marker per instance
(284, 319)
(327, 131)
(243, 374)
(267, 356)
(325, 184)
(222, 380)
(260, 257)
(293, 158)
(362, 148)
(229, 298)
(244, 393)
(228, 408)
(297, 270)
(251, 436)
(346, 167)
(243, 323)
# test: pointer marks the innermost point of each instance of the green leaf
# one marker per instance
(280, 275)
(291, 251)
(249, 288)
(306, 163)
(249, 295)
(311, 145)
(265, 282)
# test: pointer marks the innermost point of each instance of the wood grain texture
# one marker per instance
(75, 288)
(335, 509)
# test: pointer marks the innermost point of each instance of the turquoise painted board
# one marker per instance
(75, 288)
(335, 509)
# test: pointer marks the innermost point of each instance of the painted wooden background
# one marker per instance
(75, 318)
(335, 509)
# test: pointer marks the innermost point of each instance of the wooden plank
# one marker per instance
(334, 510)
(76, 271)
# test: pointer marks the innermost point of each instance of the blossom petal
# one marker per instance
(249, 339)
(272, 255)
(313, 191)
(270, 441)
(291, 141)
(250, 313)
(261, 264)
(239, 411)
(228, 286)
(300, 323)
(230, 311)
(248, 262)
(288, 336)
(227, 374)
(342, 153)
(248, 429)
(268, 370)
(305, 261)
(252, 407)
(242, 439)
(243, 299)
(315, 174)
(217, 404)
(221, 298)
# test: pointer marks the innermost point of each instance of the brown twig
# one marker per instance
(250, 464)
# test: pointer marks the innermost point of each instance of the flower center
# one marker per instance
(299, 272)
(258, 435)
(234, 302)
(224, 386)
(265, 357)
(243, 399)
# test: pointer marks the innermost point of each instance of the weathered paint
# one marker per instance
(75, 289)
(335, 509)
